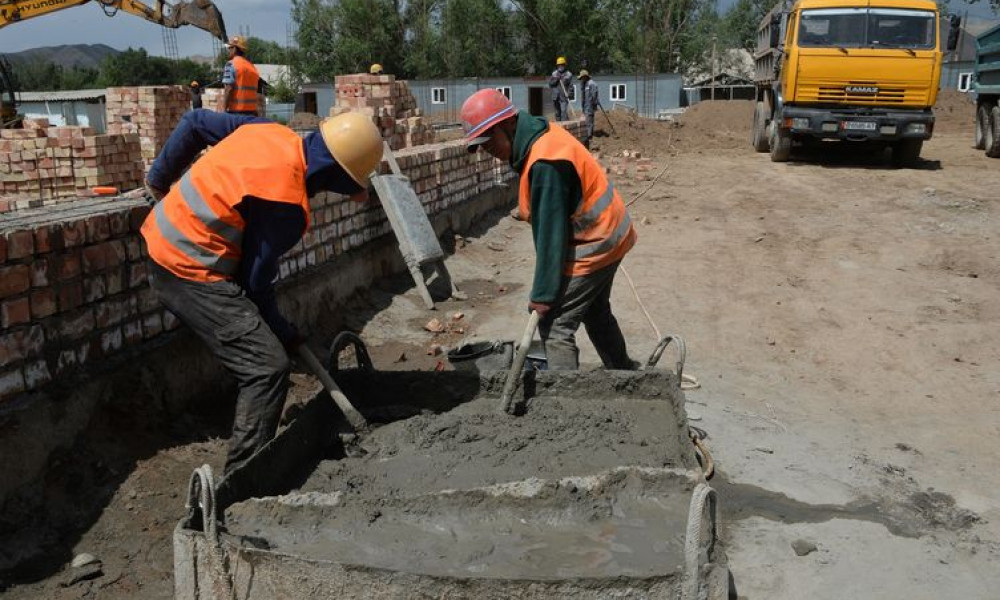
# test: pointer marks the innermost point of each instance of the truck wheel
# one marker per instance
(759, 136)
(982, 124)
(906, 152)
(780, 142)
(993, 133)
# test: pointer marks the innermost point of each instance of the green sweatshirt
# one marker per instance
(555, 195)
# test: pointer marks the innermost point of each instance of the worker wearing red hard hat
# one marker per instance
(579, 224)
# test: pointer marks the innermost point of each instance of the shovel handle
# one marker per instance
(506, 399)
(353, 416)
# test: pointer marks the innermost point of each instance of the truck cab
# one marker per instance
(862, 71)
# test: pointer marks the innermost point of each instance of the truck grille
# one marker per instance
(839, 93)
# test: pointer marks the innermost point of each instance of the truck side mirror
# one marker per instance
(954, 28)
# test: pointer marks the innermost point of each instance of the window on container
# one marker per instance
(617, 92)
(439, 95)
(964, 82)
(505, 90)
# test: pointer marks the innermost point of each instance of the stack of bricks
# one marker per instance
(42, 164)
(73, 290)
(390, 104)
(151, 112)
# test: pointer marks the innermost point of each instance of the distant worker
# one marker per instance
(240, 80)
(215, 239)
(579, 224)
(561, 81)
(589, 101)
(196, 91)
(376, 69)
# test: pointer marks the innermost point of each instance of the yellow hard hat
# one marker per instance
(355, 144)
(583, 73)
(237, 41)
(376, 69)
(561, 60)
(194, 84)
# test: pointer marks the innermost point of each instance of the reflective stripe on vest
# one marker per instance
(602, 230)
(196, 231)
(244, 96)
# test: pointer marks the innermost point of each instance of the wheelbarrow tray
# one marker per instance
(586, 495)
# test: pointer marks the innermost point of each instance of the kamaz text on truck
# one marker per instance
(848, 70)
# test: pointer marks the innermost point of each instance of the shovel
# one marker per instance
(356, 420)
(507, 397)
(605, 113)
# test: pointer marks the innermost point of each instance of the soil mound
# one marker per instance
(954, 113)
(717, 125)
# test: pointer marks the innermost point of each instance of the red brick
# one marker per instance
(70, 295)
(137, 274)
(15, 279)
(133, 248)
(21, 343)
(20, 244)
(67, 267)
(11, 383)
(132, 332)
(43, 303)
(98, 228)
(76, 325)
(66, 362)
(152, 325)
(137, 216)
(40, 270)
(74, 233)
(94, 288)
(111, 340)
(119, 222)
(3, 247)
(36, 374)
(148, 300)
(14, 312)
(115, 310)
(116, 280)
(49, 238)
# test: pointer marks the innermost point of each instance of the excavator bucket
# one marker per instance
(202, 14)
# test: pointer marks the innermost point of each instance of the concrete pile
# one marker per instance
(151, 112)
(390, 104)
(42, 164)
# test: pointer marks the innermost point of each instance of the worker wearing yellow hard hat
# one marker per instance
(376, 69)
(216, 237)
(561, 83)
(195, 89)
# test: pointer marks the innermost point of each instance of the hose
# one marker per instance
(703, 494)
(697, 438)
(201, 498)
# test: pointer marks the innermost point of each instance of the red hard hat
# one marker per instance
(480, 112)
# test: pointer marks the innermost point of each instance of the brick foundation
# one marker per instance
(150, 112)
(390, 104)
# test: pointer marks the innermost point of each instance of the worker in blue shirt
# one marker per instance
(217, 232)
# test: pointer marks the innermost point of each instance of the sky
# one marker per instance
(268, 19)
(87, 24)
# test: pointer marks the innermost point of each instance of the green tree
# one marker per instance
(476, 39)
(422, 24)
(739, 25)
(266, 52)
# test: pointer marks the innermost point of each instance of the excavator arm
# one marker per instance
(202, 14)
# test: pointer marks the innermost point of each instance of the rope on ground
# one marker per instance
(703, 494)
(707, 462)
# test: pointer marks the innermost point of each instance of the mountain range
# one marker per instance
(70, 55)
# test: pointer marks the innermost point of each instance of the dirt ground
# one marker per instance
(841, 316)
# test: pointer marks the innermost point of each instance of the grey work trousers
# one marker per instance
(589, 128)
(587, 300)
(220, 313)
(562, 108)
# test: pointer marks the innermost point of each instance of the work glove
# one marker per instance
(153, 195)
(542, 308)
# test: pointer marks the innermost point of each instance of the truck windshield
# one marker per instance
(867, 28)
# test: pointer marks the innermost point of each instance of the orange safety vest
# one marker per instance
(602, 229)
(244, 96)
(195, 231)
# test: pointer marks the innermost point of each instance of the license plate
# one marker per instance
(860, 125)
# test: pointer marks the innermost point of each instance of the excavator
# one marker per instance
(202, 14)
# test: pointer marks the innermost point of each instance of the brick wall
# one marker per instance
(73, 287)
(41, 165)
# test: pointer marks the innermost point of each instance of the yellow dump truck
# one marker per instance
(856, 70)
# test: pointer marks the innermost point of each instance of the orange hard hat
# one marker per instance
(237, 41)
(194, 84)
(480, 112)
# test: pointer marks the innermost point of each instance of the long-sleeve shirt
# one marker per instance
(271, 228)
(567, 82)
(556, 193)
(591, 97)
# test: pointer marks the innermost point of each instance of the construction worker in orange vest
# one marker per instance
(240, 80)
(218, 230)
(579, 224)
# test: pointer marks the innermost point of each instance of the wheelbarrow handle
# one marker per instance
(507, 397)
